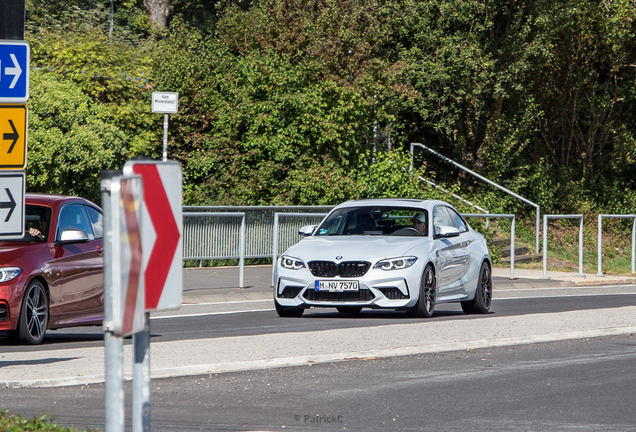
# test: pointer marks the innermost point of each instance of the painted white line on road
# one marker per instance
(229, 302)
(564, 288)
(562, 296)
(209, 313)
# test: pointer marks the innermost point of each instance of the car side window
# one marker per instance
(97, 221)
(457, 220)
(73, 216)
(441, 217)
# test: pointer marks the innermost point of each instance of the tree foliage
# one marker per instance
(317, 101)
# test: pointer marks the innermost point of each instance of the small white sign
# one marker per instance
(165, 103)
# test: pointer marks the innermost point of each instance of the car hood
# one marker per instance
(13, 251)
(367, 248)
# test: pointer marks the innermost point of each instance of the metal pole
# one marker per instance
(545, 247)
(537, 226)
(165, 137)
(600, 246)
(242, 253)
(512, 248)
(112, 14)
(581, 248)
(275, 246)
(633, 244)
(141, 379)
(113, 345)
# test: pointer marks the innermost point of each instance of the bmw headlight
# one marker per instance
(291, 263)
(9, 273)
(395, 263)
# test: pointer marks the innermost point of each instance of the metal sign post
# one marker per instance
(113, 345)
(124, 297)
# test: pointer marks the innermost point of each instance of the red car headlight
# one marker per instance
(9, 273)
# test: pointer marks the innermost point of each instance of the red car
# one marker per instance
(53, 276)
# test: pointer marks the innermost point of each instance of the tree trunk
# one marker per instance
(157, 12)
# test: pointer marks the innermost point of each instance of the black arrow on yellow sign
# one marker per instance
(8, 204)
(11, 136)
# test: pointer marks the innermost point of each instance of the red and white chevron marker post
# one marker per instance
(162, 265)
(162, 224)
(127, 278)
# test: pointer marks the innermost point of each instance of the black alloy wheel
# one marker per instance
(425, 306)
(34, 316)
(483, 293)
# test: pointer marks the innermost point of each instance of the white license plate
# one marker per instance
(337, 286)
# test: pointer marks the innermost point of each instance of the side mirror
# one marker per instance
(444, 231)
(72, 235)
(307, 230)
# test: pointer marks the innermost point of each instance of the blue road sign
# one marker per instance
(14, 71)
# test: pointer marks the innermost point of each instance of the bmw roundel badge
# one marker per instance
(339, 257)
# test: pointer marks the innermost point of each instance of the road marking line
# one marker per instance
(209, 313)
(229, 302)
(566, 288)
(563, 296)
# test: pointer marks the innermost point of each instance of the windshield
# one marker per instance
(375, 220)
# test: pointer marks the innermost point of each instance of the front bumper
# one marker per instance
(377, 289)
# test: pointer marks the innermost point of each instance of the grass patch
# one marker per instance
(15, 423)
(563, 246)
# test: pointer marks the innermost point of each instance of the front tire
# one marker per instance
(288, 312)
(425, 306)
(483, 293)
(34, 316)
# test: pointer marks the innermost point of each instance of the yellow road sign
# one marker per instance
(13, 137)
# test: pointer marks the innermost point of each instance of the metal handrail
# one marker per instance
(277, 215)
(241, 236)
(512, 235)
(452, 194)
(545, 241)
(600, 239)
(482, 178)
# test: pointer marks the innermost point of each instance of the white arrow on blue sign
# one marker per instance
(14, 71)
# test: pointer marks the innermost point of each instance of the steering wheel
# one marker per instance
(406, 230)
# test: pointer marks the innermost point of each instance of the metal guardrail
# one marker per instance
(600, 239)
(277, 217)
(241, 242)
(482, 178)
(512, 235)
(215, 238)
(545, 241)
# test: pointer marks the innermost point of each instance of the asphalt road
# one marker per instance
(216, 321)
(572, 383)
(583, 385)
